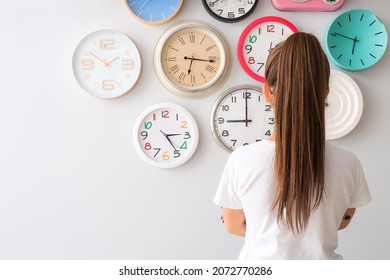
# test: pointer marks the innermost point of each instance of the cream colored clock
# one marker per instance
(192, 59)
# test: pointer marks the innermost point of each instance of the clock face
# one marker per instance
(166, 135)
(107, 64)
(257, 40)
(154, 12)
(230, 10)
(355, 40)
(308, 5)
(344, 105)
(191, 59)
(241, 116)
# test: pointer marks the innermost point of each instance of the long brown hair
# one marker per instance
(297, 72)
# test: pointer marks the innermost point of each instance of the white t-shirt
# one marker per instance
(248, 183)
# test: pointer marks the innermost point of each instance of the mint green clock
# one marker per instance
(355, 40)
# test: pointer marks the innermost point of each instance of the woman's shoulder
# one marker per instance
(339, 155)
(255, 150)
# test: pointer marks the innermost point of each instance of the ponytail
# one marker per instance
(297, 71)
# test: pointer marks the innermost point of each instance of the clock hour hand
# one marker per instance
(239, 121)
(174, 134)
(353, 47)
(189, 68)
(111, 61)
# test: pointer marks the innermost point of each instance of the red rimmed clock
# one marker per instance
(258, 39)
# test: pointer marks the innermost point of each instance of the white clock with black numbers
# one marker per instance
(230, 11)
(241, 116)
(166, 135)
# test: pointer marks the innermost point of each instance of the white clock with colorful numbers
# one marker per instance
(241, 116)
(344, 105)
(192, 59)
(107, 64)
(166, 135)
(258, 39)
(154, 11)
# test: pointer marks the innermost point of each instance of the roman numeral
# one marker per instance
(175, 68)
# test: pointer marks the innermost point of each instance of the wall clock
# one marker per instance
(107, 64)
(192, 59)
(308, 5)
(230, 10)
(166, 135)
(344, 105)
(153, 11)
(258, 39)
(241, 116)
(355, 40)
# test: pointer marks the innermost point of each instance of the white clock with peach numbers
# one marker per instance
(107, 64)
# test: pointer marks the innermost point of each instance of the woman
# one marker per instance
(290, 194)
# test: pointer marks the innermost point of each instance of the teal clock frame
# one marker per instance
(355, 40)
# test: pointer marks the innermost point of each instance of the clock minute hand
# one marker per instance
(199, 59)
(246, 109)
(352, 39)
(169, 140)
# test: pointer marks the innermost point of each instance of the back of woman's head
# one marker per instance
(297, 72)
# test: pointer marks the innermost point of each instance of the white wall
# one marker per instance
(71, 183)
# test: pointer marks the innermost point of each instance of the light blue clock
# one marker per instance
(154, 11)
(355, 40)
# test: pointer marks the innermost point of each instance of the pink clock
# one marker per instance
(308, 5)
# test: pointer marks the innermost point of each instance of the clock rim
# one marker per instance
(359, 97)
(329, 53)
(216, 105)
(229, 20)
(138, 53)
(245, 32)
(155, 22)
(136, 129)
(219, 80)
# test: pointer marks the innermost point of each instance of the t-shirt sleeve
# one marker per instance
(361, 195)
(226, 195)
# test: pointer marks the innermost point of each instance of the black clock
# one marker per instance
(230, 10)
